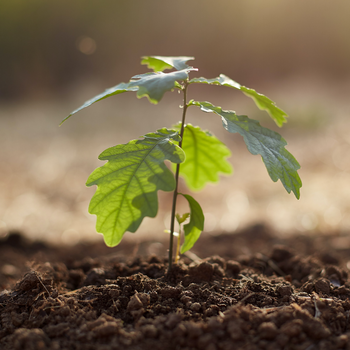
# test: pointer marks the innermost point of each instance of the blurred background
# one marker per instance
(57, 54)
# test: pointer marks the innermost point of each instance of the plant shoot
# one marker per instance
(128, 183)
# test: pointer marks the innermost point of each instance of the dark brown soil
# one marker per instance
(249, 291)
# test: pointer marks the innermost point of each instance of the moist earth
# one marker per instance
(250, 290)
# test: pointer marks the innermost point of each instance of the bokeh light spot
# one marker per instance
(86, 45)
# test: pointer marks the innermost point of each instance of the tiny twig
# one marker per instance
(310, 298)
(193, 256)
(69, 293)
(315, 297)
(41, 282)
(245, 278)
(246, 297)
(53, 307)
(272, 309)
(39, 295)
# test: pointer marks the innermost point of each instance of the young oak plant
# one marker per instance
(128, 183)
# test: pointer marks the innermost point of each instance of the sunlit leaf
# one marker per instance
(262, 101)
(182, 218)
(129, 181)
(269, 144)
(205, 158)
(151, 85)
(160, 63)
(196, 225)
(115, 90)
(154, 85)
(222, 80)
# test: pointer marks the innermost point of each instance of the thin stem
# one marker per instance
(177, 254)
(173, 209)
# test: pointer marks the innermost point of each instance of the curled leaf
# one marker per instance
(196, 225)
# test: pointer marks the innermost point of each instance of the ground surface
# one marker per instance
(257, 292)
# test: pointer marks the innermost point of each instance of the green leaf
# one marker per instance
(129, 181)
(152, 85)
(115, 90)
(205, 158)
(262, 101)
(160, 63)
(196, 225)
(269, 144)
(182, 218)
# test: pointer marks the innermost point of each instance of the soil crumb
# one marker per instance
(251, 290)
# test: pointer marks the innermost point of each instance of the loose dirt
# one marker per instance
(250, 290)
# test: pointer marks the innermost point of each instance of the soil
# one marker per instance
(250, 290)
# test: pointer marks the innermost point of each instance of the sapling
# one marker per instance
(128, 183)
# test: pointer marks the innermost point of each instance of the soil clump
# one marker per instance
(250, 290)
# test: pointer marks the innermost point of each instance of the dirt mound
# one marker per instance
(258, 294)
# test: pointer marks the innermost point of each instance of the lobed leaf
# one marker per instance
(269, 144)
(205, 158)
(262, 101)
(151, 85)
(154, 85)
(129, 181)
(115, 90)
(196, 225)
(160, 63)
